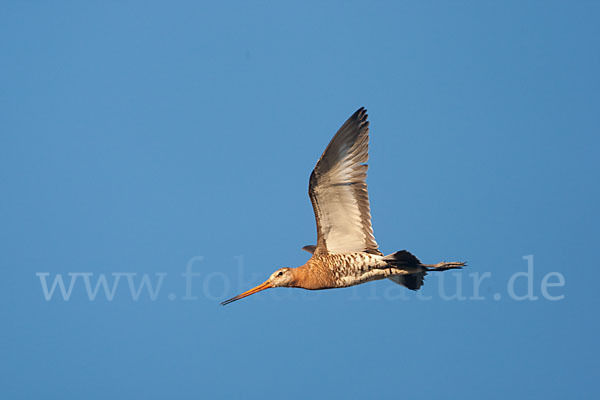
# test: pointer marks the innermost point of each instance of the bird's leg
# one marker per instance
(443, 266)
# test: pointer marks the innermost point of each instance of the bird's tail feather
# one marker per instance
(402, 258)
(405, 260)
(415, 270)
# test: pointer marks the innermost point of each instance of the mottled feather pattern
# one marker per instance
(343, 270)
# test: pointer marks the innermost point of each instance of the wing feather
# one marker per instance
(338, 191)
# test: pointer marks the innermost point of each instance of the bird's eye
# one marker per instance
(280, 273)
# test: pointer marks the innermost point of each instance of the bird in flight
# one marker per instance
(346, 253)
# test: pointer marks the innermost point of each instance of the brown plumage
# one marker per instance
(346, 252)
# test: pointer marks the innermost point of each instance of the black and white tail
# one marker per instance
(413, 281)
(402, 258)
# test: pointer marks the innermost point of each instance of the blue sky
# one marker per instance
(142, 137)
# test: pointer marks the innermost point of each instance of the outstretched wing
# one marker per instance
(338, 191)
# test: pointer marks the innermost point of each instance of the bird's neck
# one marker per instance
(312, 276)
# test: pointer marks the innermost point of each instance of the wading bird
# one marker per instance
(346, 253)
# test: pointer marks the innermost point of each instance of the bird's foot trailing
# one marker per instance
(443, 266)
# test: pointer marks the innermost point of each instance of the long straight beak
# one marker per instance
(257, 289)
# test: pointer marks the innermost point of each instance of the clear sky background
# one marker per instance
(137, 135)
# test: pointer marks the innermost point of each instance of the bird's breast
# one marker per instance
(342, 270)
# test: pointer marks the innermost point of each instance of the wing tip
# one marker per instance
(360, 114)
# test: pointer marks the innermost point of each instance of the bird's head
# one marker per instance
(281, 278)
